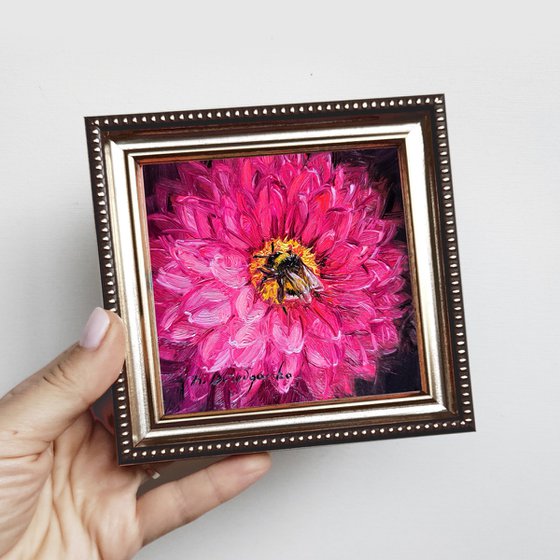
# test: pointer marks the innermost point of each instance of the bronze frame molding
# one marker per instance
(120, 144)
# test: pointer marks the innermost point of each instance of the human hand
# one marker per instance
(62, 494)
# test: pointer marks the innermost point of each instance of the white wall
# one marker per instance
(492, 494)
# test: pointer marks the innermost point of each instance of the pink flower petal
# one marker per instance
(321, 162)
(249, 356)
(325, 243)
(186, 253)
(215, 351)
(244, 334)
(249, 306)
(296, 217)
(170, 277)
(302, 185)
(287, 334)
(270, 208)
(319, 381)
(339, 220)
(321, 353)
(324, 321)
(195, 215)
(385, 334)
(318, 206)
(207, 306)
(288, 372)
(181, 331)
(230, 269)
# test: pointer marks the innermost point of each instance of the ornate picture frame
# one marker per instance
(382, 182)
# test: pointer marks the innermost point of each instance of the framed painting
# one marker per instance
(288, 275)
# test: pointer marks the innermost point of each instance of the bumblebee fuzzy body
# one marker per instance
(291, 274)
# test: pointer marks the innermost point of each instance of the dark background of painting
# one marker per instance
(399, 371)
(396, 372)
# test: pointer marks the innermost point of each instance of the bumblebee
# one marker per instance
(292, 276)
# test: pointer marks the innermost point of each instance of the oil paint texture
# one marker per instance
(280, 279)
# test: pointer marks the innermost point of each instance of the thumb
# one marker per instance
(44, 405)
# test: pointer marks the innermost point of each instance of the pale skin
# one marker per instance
(62, 494)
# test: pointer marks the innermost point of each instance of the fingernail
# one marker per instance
(95, 329)
(258, 464)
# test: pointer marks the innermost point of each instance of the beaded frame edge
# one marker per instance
(463, 421)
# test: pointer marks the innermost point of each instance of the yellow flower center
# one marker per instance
(285, 270)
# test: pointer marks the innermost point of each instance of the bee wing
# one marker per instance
(304, 282)
(312, 281)
(297, 283)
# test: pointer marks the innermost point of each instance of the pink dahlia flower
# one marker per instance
(277, 279)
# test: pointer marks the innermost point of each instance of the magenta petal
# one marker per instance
(197, 388)
(248, 344)
(302, 185)
(325, 243)
(286, 334)
(249, 356)
(181, 331)
(246, 174)
(321, 353)
(339, 220)
(288, 372)
(319, 380)
(290, 168)
(239, 231)
(360, 355)
(194, 214)
(170, 277)
(247, 392)
(296, 218)
(323, 321)
(319, 204)
(273, 360)
(187, 255)
(244, 334)
(265, 165)
(195, 178)
(207, 306)
(321, 163)
(230, 269)
(385, 334)
(169, 315)
(215, 351)
(270, 208)
(248, 305)
(159, 254)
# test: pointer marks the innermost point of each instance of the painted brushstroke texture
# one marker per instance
(241, 325)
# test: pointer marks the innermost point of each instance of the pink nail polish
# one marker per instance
(95, 329)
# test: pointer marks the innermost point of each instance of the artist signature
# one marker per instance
(216, 379)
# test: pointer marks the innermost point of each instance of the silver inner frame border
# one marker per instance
(134, 282)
